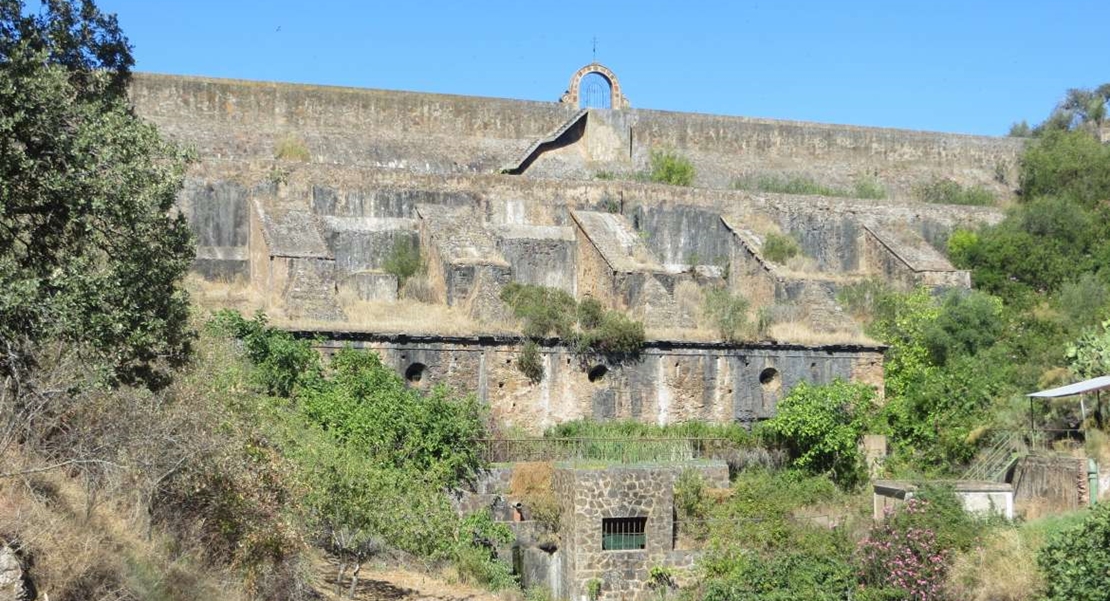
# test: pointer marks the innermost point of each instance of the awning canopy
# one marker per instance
(1092, 385)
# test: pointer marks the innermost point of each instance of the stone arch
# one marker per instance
(617, 99)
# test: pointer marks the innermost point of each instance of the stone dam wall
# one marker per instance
(437, 133)
(670, 382)
(302, 192)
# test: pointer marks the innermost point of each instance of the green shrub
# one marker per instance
(476, 555)
(617, 335)
(543, 310)
(1083, 300)
(529, 362)
(946, 191)
(779, 248)
(590, 313)
(404, 260)
(804, 185)
(691, 504)
(820, 428)
(727, 312)
(668, 167)
(1089, 355)
(292, 148)
(593, 589)
(869, 188)
(367, 405)
(587, 327)
(758, 550)
(281, 362)
(610, 204)
(861, 298)
(1070, 164)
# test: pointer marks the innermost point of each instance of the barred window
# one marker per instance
(623, 534)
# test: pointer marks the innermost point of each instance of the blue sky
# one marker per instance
(971, 67)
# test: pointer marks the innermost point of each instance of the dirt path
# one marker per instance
(381, 583)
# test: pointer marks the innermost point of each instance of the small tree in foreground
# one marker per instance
(1076, 562)
(90, 252)
(820, 428)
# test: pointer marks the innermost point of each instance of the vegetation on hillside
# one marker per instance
(801, 184)
(587, 327)
(91, 258)
(151, 454)
(669, 167)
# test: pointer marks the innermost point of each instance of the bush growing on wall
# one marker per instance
(668, 167)
(529, 362)
(946, 191)
(404, 260)
(779, 248)
(587, 326)
(728, 313)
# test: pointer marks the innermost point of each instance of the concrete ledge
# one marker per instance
(978, 497)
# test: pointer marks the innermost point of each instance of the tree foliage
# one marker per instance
(1076, 561)
(728, 312)
(89, 251)
(821, 426)
(1068, 164)
(587, 326)
(669, 167)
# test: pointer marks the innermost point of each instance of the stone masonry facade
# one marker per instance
(589, 496)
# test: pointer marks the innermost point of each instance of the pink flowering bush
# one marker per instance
(905, 558)
(909, 554)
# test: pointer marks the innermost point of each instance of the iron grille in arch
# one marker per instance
(596, 92)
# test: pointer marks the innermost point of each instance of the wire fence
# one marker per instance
(1042, 439)
(614, 450)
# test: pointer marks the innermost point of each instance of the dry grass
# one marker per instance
(1003, 568)
(232, 294)
(790, 332)
(405, 317)
(797, 332)
(101, 556)
(531, 483)
(292, 148)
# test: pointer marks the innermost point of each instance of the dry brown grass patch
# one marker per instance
(1003, 568)
(531, 483)
(103, 556)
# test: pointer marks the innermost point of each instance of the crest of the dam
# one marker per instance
(302, 194)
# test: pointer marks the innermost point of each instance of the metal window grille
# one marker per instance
(623, 534)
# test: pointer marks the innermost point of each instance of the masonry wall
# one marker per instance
(668, 383)
(436, 133)
(588, 496)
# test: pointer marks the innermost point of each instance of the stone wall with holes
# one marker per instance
(668, 383)
(588, 496)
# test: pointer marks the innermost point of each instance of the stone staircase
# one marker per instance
(535, 149)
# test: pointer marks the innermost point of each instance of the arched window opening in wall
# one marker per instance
(588, 87)
(595, 92)
(415, 373)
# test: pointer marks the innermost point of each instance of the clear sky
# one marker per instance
(959, 66)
